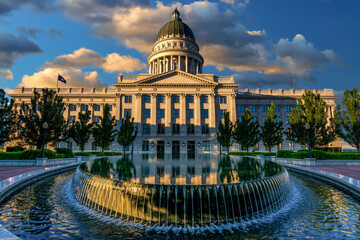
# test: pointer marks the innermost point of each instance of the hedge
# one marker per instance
(253, 153)
(318, 154)
(66, 152)
(30, 155)
(10, 155)
(98, 153)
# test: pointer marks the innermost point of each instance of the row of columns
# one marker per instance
(169, 63)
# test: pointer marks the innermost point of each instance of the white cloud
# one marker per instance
(70, 67)
(6, 74)
(9, 91)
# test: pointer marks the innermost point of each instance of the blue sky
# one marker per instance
(262, 43)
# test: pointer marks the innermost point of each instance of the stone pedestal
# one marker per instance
(310, 161)
(41, 161)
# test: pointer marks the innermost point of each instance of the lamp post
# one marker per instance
(307, 127)
(45, 126)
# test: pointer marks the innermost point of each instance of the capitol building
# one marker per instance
(175, 105)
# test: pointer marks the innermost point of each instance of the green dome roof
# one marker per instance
(174, 27)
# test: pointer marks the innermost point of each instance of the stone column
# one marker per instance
(168, 109)
(158, 66)
(186, 63)
(212, 115)
(171, 63)
(138, 112)
(153, 115)
(118, 114)
(232, 99)
(197, 114)
(183, 114)
(78, 110)
(179, 62)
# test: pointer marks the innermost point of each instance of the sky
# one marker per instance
(263, 43)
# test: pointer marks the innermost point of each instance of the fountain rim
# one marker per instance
(283, 171)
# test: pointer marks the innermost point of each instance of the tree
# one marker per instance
(247, 131)
(7, 117)
(104, 133)
(224, 134)
(348, 121)
(46, 107)
(313, 110)
(127, 132)
(80, 132)
(272, 130)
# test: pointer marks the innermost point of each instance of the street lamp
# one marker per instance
(307, 127)
(45, 126)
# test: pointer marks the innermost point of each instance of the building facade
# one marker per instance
(176, 106)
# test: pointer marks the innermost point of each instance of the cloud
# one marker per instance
(12, 47)
(28, 32)
(7, 6)
(6, 74)
(70, 67)
(54, 33)
(300, 55)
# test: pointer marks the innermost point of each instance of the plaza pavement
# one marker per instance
(8, 172)
(350, 171)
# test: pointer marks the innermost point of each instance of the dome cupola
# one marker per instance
(175, 48)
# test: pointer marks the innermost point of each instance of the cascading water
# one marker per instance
(165, 194)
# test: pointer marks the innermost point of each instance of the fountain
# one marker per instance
(182, 192)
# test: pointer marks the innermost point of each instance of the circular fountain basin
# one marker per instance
(182, 192)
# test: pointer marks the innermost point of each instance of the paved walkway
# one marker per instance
(8, 172)
(350, 171)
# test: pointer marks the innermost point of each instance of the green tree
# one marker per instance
(272, 130)
(104, 133)
(127, 132)
(224, 134)
(313, 110)
(81, 130)
(7, 117)
(348, 121)
(46, 107)
(247, 131)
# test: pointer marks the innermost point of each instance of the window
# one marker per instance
(146, 99)
(205, 129)
(204, 113)
(175, 113)
(96, 107)
(263, 119)
(254, 119)
(291, 146)
(175, 172)
(222, 99)
(145, 145)
(277, 119)
(256, 147)
(146, 113)
(69, 145)
(279, 147)
(161, 99)
(160, 172)
(190, 99)
(146, 128)
(264, 108)
(204, 99)
(277, 108)
(222, 112)
(175, 99)
(145, 171)
(176, 128)
(241, 108)
(84, 107)
(127, 112)
(206, 171)
(189, 113)
(252, 108)
(190, 128)
(287, 108)
(206, 146)
(161, 113)
(96, 119)
(287, 120)
(191, 171)
(128, 99)
(161, 128)
(72, 119)
(110, 107)
(72, 107)
(93, 146)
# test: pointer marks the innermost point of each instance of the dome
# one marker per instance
(175, 27)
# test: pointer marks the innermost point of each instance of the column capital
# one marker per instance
(138, 95)
(168, 94)
(154, 94)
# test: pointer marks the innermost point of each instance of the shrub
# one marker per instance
(65, 152)
(318, 154)
(15, 149)
(284, 153)
(10, 155)
(33, 154)
(98, 153)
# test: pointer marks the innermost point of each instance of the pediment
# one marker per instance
(176, 77)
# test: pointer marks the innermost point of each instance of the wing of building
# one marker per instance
(176, 106)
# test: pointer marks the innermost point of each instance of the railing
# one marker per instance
(285, 92)
(18, 90)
